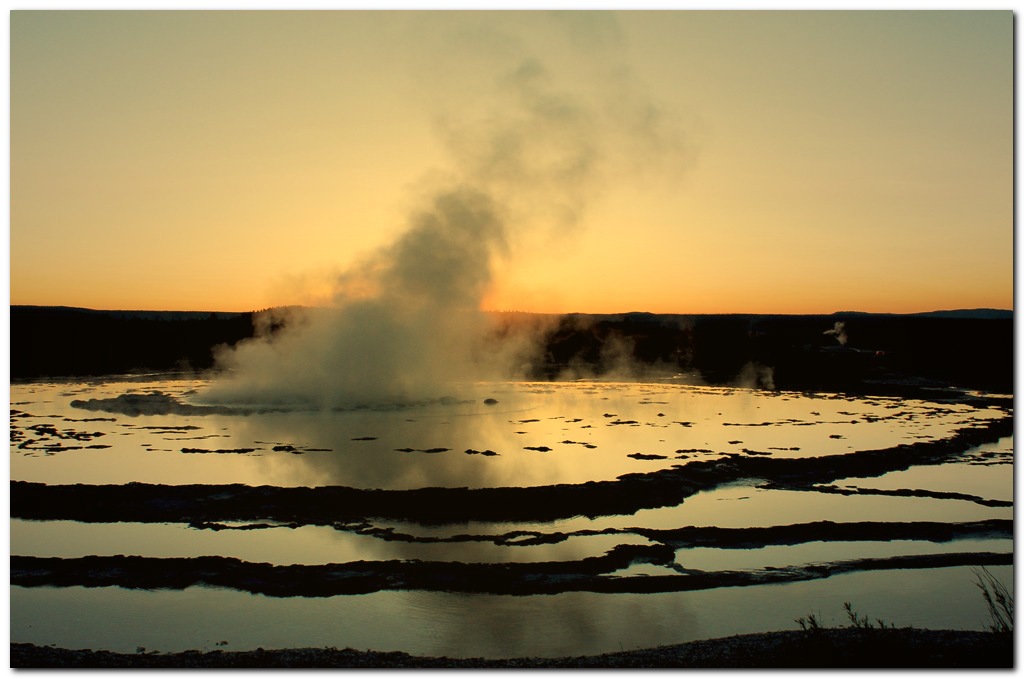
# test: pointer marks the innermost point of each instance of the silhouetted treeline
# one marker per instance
(65, 341)
(847, 351)
(864, 352)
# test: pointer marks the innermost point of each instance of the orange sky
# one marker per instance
(762, 162)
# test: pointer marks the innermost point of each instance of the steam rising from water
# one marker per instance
(839, 332)
(531, 149)
(408, 319)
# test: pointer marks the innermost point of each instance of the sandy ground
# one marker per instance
(825, 648)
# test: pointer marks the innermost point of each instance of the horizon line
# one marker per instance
(538, 313)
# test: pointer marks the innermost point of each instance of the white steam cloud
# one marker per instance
(531, 147)
(839, 332)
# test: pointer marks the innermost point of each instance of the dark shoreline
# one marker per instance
(591, 574)
(824, 648)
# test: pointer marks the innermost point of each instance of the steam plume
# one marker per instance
(407, 320)
(839, 332)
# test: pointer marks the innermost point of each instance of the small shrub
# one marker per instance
(810, 623)
(864, 622)
(996, 595)
(998, 598)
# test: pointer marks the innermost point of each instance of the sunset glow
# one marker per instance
(776, 162)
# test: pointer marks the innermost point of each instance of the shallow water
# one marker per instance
(536, 435)
(590, 431)
(430, 623)
(985, 475)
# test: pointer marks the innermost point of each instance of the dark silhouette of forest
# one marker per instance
(67, 341)
(848, 351)
(880, 353)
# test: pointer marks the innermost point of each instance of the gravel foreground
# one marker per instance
(825, 648)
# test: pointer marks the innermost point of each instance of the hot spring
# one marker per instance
(501, 519)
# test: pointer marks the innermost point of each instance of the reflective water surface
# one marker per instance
(507, 435)
(542, 433)
(460, 625)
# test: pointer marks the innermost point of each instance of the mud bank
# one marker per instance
(896, 492)
(825, 531)
(691, 536)
(330, 504)
(592, 574)
(829, 648)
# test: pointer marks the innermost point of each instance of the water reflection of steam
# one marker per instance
(503, 626)
(415, 448)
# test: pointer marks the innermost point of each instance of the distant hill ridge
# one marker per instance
(947, 313)
(970, 313)
(135, 313)
(636, 315)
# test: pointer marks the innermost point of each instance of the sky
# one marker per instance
(662, 161)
